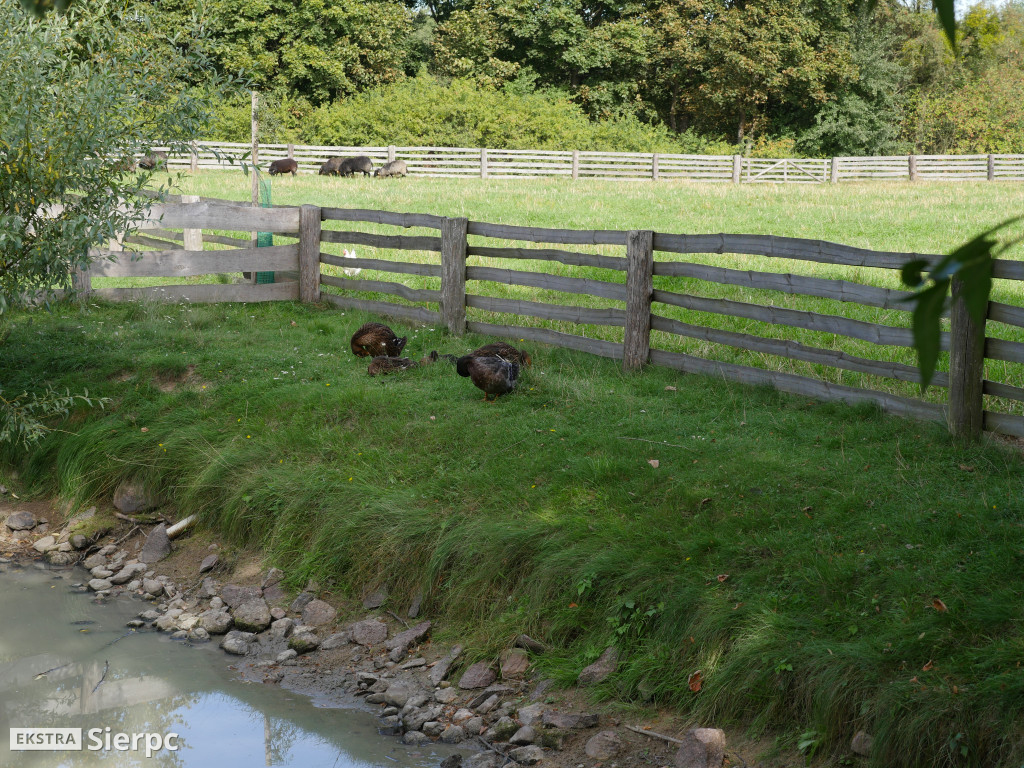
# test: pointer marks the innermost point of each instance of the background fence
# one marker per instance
(525, 163)
(460, 270)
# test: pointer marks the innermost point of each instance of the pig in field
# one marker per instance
(394, 168)
(354, 165)
(284, 165)
(332, 166)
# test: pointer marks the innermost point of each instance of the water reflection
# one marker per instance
(67, 663)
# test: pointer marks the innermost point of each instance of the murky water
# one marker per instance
(66, 662)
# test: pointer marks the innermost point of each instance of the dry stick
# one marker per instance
(657, 442)
(655, 735)
(134, 529)
(106, 667)
(496, 751)
(396, 616)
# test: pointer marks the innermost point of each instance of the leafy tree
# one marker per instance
(468, 44)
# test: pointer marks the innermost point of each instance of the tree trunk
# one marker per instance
(743, 125)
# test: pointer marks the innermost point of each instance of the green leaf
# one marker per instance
(927, 335)
(947, 17)
(912, 273)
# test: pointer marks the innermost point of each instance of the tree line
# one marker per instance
(782, 77)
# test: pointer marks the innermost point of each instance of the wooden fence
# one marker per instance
(521, 163)
(639, 302)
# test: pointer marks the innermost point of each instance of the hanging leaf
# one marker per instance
(947, 17)
(696, 681)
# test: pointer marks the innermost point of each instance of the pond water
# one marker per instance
(68, 662)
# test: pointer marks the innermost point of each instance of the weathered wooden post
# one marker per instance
(636, 342)
(737, 166)
(81, 282)
(654, 167)
(392, 153)
(193, 163)
(966, 368)
(483, 163)
(575, 164)
(991, 168)
(254, 158)
(912, 167)
(453, 274)
(833, 171)
(193, 237)
(291, 151)
(309, 253)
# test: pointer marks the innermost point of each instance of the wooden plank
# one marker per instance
(204, 293)
(1005, 269)
(411, 314)
(380, 286)
(797, 318)
(840, 290)
(996, 389)
(571, 258)
(583, 315)
(795, 351)
(382, 265)
(179, 263)
(1000, 349)
(551, 282)
(798, 385)
(309, 253)
(547, 336)
(544, 235)
(192, 238)
(152, 242)
(1006, 313)
(1004, 424)
(221, 216)
(397, 242)
(222, 240)
(453, 274)
(636, 342)
(383, 217)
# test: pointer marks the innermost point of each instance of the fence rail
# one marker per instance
(639, 307)
(576, 164)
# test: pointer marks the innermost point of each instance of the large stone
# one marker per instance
(400, 691)
(215, 621)
(514, 664)
(530, 755)
(414, 606)
(415, 738)
(21, 521)
(209, 563)
(301, 601)
(376, 598)
(45, 544)
(484, 760)
(531, 715)
(443, 666)
(153, 587)
(127, 573)
(281, 628)
(234, 595)
(479, 675)
(861, 744)
(446, 695)
(317, 613)
(503, 730)
(337, 640)
(569, 720)
(453, 734)
(409, 636)
(522, 737)
(94, 561)
(601, 668)
(99, 585)
(274, 576)
(78, 541)
(131, 496)
(369, 632)
(56, 557)
(415, 721)
(157, 546)
(252, 615)
(304, 641)
(237, 642)
(701, 748)
(604, 745)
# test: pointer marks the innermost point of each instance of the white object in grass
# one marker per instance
(351, 271)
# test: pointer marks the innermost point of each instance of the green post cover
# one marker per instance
(264, 239)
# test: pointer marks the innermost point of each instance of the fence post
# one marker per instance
(193, 237)
(453, 274)
(309, 253)
(991, 167)
(636, 342)
(966, 368)
(575, 164)
(81, 281)
(483, 163)
(193, 163)
(654, 167)
(912, 166)
(291, 151)
(392, 153)
(833, 171)
(737, 165)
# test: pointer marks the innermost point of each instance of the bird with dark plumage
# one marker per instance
(383, 365)
(373, 339)
(494, 375)
(504, 351)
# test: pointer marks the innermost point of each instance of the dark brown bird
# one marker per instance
(433, 357)
(504, 351)
(383, 365)
(494, 375)
(375, 339)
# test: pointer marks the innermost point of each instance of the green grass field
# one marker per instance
(918, 218)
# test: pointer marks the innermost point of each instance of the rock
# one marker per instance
(527, 642)
(433, 729)
(281, 628)
(45, 544)
(180, 634)
(452, 761)
(21, 521)
(64, 547)
(277, 612)
(369, 632)
(531, 714)
(167, 623)
(479, 675)
(252, 615)
(701, 748)
(488, 704)
(57, 557)
(409, 636)
(94, 561)
(445, 695)
(215, 621)
(502, 730)
(157, 545)
(78, 541)
(601, 668)
(198, 635)
(483, 760)
(131, 496)
(108, 550)
(414, 606)
(415, 721)
(415, 738)
(474, 726)
(237, 642)
(127, 573)
(304, 641)
(99, 572)
(552, 738)
(514, 664)
(861, 744)
(234, 595)
(274, 576)
(291, 653)
(522, 737)
(317, 613)
(300, 602)
(209, 588)
(99, 585)
(274, 594)
(153, 587)
(453, 734)
(399, 692)
(376, 598)
(540, 690)
(337, 640)
(569, 720)
(530, 755)
(209, 563)
(134, 585)
(442, 667)
(150, 615)
(603, 745)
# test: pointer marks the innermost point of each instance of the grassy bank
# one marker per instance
(791, 552)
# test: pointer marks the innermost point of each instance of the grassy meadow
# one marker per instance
(913, 218)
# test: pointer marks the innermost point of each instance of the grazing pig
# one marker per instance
(330, 168)
(394, 168)
(285, 165)
(153, 160)
(354, 165)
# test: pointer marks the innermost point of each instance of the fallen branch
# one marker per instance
(136, 520)
(396, 616)
(654, 735)
(179, 527)
(657, 442)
